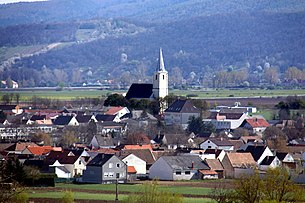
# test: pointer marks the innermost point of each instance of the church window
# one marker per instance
(163, 77)
(156, 77)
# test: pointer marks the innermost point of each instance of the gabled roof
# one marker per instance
(40, 150)
(267, 160)
(256, 151)
(212, 151)
(214, 164)
(105, 140)
(64, 157)
(131, 169)
(20, 146)
(100, 159)
(257, 122)
(185, 162)
(241, 160)
(182, 106)
(114, 110)
(144, 154)
(62, 120)
(281, 155)
(83, 118)
(102, 117)
(140, 91)
(220, 142)
(145, 146)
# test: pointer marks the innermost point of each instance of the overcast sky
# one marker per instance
(14, 1)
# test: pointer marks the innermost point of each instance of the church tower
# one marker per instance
(160, 80)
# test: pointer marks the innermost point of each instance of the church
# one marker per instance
(157, 90)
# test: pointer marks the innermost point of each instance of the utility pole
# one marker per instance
(116, 188)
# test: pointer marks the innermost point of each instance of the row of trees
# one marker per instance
(275, 186)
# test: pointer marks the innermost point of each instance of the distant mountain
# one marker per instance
(140, 10)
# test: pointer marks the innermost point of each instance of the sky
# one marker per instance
(15, 1)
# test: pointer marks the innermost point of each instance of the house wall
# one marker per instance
(239, 172)
(73, 122)
(209, 177)
(208, 145)
(288, 158)
(228, 168)
(185, 174)
(275, 163)
(171, 118)
(93, 174)
(112, 167)
(161, 170)
(139, 164)
(61, 174)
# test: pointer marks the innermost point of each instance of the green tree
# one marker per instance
(197, 126)
(116, 100)
(42, 137)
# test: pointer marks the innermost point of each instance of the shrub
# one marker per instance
(68, 197)
(21, 198)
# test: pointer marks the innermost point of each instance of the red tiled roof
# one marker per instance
(114, 110)
(208, 172)
(147, 146)
(257, 122)
(131, 169)
(40, 150)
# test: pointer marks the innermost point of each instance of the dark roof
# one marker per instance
(281, 155)
(7, 107)
(182, 106)
(62, 120)
(38, 117)
(185, 162)
(256, 151)
(267, 160)
(139, 91)
(34, 163)
(83, 118)
(62, 157)
(105, 141)
(144, 154)
(102, 117)
(220, 142)
(100, 159)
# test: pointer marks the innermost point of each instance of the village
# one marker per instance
(185, 140)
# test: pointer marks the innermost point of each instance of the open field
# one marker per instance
(203, 94)
(191, 192)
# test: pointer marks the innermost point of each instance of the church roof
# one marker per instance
(161, 62)
(140, 91)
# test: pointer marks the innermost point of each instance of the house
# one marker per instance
(60, 170)
(214, 143)
(269, 162)
(159, 87)
(259, 152)
(177, 168)
(180, 112)
(237, 164)
(144, 154)
(73, 162)
(105, 168)
(255, 125)
(65, 121)
(103, 141)
(286, 159)
(17, 148)
(227, 119)
(209, 153)
(39, 150)
(118, 111)
(172, 141)
(215, 165)
(111, 127)
(131, 160)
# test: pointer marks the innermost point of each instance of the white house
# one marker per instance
(177, 168)
(136, 162)
(60, 170)
(269, 162)
(213, 143)
(258, 152)
(120, 111)
(255, 125)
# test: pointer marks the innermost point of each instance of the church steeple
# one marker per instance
(161, 62)
(160, 79)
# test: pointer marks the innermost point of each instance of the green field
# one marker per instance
(205, 94)
(106, 191)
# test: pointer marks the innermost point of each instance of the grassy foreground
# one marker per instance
(106, 192)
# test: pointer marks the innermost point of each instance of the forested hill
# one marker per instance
(139, 10)
(215, 41)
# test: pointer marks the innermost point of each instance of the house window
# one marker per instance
(106, 174)
(118, 165)
(111, 174)
(187, 172)
(117, 175)
(110, 165)
(209, 147)
(178, 172)
(79, 162)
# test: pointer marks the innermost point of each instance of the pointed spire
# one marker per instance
(161, 62)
